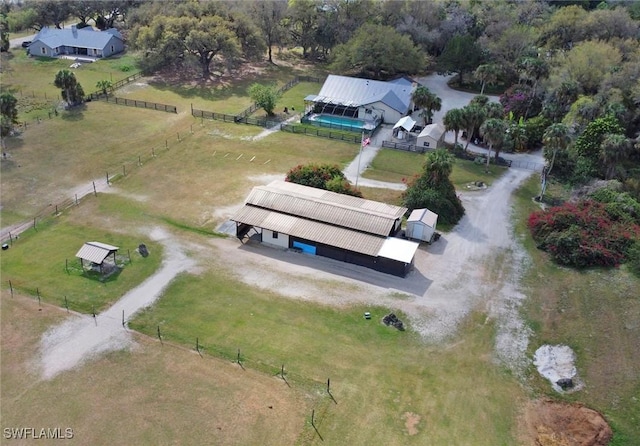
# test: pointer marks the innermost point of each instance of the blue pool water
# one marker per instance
(340, 122)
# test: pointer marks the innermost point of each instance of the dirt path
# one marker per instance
(81, 337)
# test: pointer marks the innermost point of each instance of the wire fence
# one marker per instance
(111, 174)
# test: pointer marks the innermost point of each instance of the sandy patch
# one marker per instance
(549, 423)
(411, 421)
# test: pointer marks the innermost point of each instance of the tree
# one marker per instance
(51, 12)
(556, 138)
(424, 99)
(461, 55)
(209, 37)
(486, 74)
(4, 34)
(434, 190)
(614, 149)
(379, 51)
(269, 16)
(72, 91)
(322, 176)
(493, 131)
(104, 85)
(588, 144)
(473, 115)
(265, 96)
(8, 112)
(303, 21)
(454, 121)
(564, 28)
(588, 63)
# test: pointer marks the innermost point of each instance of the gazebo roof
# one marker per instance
(95, 252)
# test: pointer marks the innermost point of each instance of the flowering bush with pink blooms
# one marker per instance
(583, 234)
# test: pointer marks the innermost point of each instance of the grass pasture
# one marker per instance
(397, 166)
(594, 311)
(152, 394)
(44, 261)
(389, 387)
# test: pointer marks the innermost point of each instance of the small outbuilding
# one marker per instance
(421, 225)
(431, 137)
(96, 253)
(403, 126)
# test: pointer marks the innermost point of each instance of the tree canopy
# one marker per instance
(378, 51)
(322, 176)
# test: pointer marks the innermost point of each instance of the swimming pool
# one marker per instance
(340, 122)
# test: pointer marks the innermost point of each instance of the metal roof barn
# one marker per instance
(337, 226)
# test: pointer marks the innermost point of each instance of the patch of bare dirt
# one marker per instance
(411, 421)
(552, 423)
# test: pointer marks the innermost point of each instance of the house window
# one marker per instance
(43, 50)
(426, 143)
(95, 51)
(274, 234)
(112, 48)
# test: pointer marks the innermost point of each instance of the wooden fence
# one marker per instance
(404, 146)
(142, 104)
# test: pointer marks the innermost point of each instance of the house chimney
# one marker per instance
(74, 30)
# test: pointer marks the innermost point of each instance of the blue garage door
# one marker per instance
(307, 249)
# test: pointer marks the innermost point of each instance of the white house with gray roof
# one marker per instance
(52, 42)
(364, 99)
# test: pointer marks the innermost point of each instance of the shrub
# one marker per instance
(633, 258)
(322, 176)
(583, 234)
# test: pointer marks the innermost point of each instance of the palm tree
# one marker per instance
(487, 74)
(438, 166)
(454, 121)
(71, 90)
(104, 85)
(613, 149)
(556, 138)
(493, 130)
(434, 103)
(427, 101)
(494, 110)
(472, 117)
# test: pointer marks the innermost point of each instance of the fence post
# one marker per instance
(129, 253)
(95, 193)
(11, 288)
(139, 161)
(10, 239)
(107, 177)
(66, 303)
(66, 265)
(123, 318)
(76, 199)
(34, 224)
(160, 336)
(56, 210)
(38, 294)
(124, 171)
(166, 144)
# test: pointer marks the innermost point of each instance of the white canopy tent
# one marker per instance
(406, 123)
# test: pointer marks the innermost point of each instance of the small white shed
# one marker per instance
(405, 124)
(431, 137)
(421, 225)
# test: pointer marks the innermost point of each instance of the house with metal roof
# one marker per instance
(363, 99)
(92, 44)
(319, 222)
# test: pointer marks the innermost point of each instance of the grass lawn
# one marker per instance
(36, 263)
(396, 165)
(594, 311)
(152, 394)
(389, 386)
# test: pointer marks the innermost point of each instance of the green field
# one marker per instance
(398, 166)
(388, 387)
